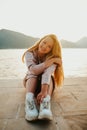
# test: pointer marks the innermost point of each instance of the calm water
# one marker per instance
(11, 66)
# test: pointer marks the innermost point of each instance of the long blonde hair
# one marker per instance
(55, 52)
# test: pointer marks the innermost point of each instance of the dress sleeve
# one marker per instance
(46, 76)
(32, 64)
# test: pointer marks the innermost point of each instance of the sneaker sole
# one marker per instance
(31, 119)
(45, 117)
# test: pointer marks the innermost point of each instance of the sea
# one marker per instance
(12, 67)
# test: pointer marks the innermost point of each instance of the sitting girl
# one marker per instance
(45, 70)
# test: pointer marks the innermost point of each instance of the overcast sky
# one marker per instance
(66, 18)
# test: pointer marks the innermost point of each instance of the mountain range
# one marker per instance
(15, 40)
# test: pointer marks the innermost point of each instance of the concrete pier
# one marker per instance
(69, 106)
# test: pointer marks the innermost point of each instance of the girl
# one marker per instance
(45, 70)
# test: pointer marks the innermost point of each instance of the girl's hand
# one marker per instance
(58, 61)
(51, 61)
(40, 97)
(42, 94)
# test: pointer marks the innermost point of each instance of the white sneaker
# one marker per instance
(45, 110)
(30, 108)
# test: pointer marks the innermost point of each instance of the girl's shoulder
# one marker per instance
(31, 54)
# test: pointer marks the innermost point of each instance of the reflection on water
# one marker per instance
(11, 66)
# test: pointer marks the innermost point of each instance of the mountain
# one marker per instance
(11, 40)
(82, 42)
(67, 44)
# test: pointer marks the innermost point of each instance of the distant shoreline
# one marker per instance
(15, 40)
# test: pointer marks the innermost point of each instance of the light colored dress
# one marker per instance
(37, 69)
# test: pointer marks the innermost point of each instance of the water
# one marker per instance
(11, 66)
(75, 62)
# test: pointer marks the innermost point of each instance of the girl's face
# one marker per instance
(46, 45)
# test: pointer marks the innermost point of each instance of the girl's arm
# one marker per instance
(32, 64)
(46, 76)
(36, 68)
(46, 79)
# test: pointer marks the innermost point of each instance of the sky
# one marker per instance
(65, 18)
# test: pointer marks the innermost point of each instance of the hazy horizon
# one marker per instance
(39, 37)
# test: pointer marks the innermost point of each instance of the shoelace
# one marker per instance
(31, 105)
(45, 104)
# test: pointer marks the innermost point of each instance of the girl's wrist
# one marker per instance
(44, 87)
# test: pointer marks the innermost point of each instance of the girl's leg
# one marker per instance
(31, 85)
(51, 87)
(45, 105)
(30, 106)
